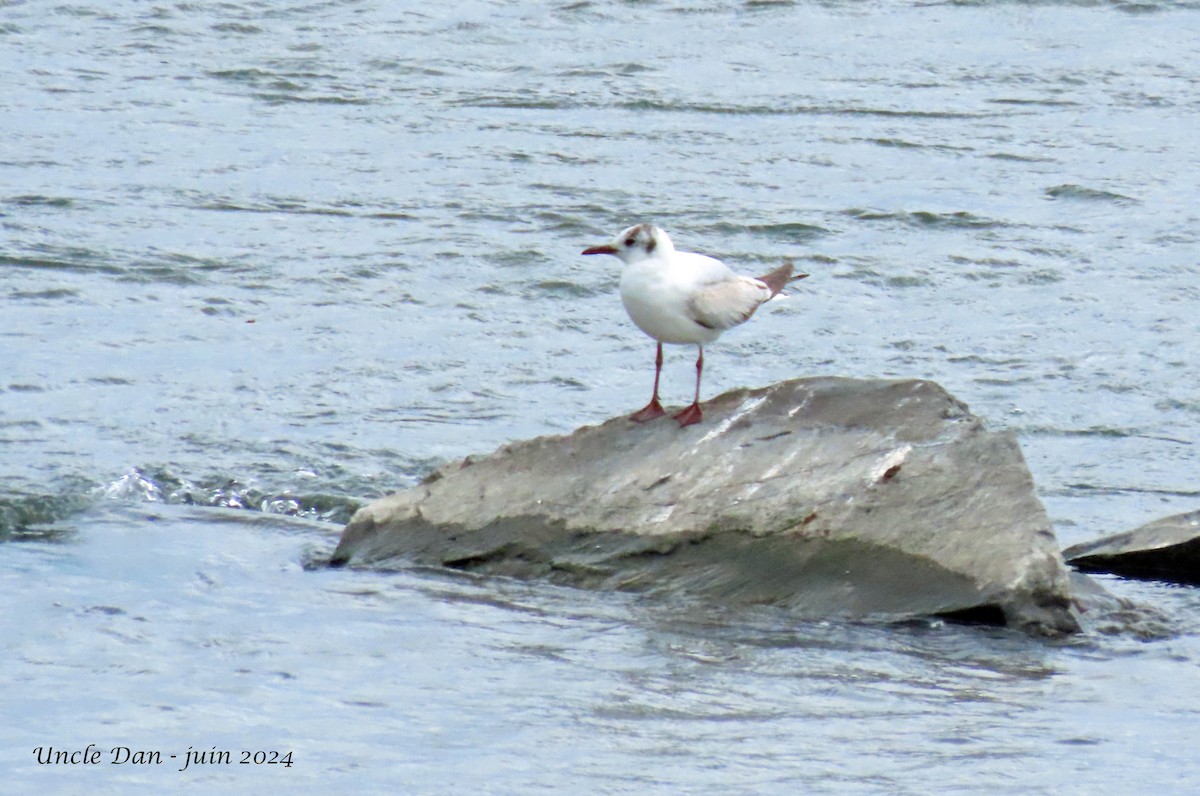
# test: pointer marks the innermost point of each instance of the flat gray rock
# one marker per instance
(1166, 549)
(832, 496)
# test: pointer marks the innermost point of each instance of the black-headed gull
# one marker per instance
(683, 298)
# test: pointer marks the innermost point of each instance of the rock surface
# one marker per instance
(832, 496)
(1166, 549)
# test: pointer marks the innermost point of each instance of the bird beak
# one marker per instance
(605, 249)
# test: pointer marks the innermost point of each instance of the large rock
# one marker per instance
(836, 497)
(1166, 549)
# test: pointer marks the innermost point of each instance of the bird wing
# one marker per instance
(723, 305)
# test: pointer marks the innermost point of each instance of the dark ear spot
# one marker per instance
(651, 245)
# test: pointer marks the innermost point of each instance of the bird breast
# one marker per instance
(658, 300)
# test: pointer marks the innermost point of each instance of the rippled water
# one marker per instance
(288, 256)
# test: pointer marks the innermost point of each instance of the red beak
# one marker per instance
(605, 249)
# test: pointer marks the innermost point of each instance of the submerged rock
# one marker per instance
(1166, 549)
(1100, 611)
(833, 496)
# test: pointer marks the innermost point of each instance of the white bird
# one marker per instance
(683, 298)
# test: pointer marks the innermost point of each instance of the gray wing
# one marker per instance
(723, 305)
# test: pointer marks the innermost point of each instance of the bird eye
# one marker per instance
(630, 241)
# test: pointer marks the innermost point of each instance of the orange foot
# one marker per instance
(648, 412)
(690, 415)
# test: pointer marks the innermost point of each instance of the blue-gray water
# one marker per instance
(286, 257)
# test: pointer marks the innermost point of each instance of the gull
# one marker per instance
(683, 298)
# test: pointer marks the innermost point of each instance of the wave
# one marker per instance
(26, 516)
(1070, 191)
(925, 218)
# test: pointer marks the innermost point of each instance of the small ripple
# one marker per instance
(788, 231)
(1149, 8)
(28, 517)
(281, 206)
(1111, 489)
(1174, 404)
(236, 27)
(289, 86)
(520, 257)
(794, 110)
(61, 258)
(563, 289)
(319, 99)
(294, 206)
(536, 99)
(523, 100)
(1020, 157)
(1095, 431)
(1036, 101)
(989, 361)
(924, 218)
(611, 70)
(251, 76)
(50, 294)
(899, 143)
(908, 280)
(417, 68)
(1069, 191)
(37, 200)
(1042, 276)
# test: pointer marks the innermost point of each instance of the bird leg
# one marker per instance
(654, 408)
(693, 414)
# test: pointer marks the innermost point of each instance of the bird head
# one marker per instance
(639, 242)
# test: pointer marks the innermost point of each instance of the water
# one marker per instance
(287, 257)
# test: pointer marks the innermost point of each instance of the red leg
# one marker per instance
(654, 408)
(693, 414)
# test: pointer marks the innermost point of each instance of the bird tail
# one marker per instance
(776, 280)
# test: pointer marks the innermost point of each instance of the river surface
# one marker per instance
(263, 262)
